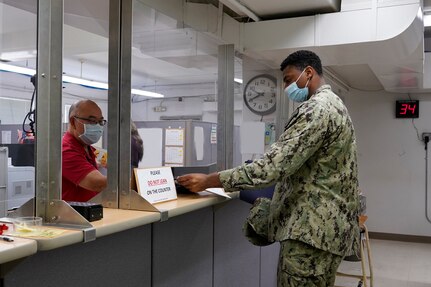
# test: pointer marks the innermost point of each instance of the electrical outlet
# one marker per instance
(426, 135)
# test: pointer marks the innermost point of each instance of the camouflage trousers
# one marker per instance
(301, 265)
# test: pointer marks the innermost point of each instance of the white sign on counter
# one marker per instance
(155, 184)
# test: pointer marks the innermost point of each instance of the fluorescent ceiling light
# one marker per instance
(18, 55)
(16, 69)
(239, 81)
(87, 83)
(146, 93)
(73, 80)
(427, 20)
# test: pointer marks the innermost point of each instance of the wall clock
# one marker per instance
(260, 94)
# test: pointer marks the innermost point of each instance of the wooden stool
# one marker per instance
(364, 244)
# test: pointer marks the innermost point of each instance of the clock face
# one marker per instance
(260, 94)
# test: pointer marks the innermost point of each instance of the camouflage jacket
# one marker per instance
(314, 168)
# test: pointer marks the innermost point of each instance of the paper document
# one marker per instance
(218, 191)
(38, 232)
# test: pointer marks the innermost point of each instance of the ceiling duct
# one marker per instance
(259, 10)
(385, 36)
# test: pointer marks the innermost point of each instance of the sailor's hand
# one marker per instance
(194, 182)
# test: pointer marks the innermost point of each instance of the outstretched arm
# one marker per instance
(196, 182)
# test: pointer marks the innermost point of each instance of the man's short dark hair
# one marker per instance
(301, 59)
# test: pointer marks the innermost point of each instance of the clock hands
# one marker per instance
(258, 95)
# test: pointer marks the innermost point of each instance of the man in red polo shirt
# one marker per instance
(81, 178)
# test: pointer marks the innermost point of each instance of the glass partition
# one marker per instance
(174, 90)
(17, 102)
(85, 77)
(261, 100)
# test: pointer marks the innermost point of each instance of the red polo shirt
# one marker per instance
(76, 165)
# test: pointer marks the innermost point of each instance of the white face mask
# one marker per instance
(92, 133)
(295, 93)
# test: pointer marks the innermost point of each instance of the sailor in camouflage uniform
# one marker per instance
(314, 209)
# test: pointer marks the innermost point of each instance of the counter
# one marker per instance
(201, 244)
(191, 202)
(19, 248)
(117, 220)
(114, 220)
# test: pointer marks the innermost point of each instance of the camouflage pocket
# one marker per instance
(255, 227)
(302, 263)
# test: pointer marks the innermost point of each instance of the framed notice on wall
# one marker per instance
(174, 154)
(174, 137)
(174, 147)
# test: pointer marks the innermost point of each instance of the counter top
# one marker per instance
(117, 220)
(19, 248)
(191, 202)
(114, 220)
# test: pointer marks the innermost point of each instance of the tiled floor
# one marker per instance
(396, 264)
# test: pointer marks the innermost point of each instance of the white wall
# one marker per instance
(391, 162)
(13, 111)
(15, 104)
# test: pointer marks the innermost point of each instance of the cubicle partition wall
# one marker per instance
(20, 148)
(17, 170)
(181, 143)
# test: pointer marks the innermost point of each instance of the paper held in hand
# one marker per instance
(218, 191)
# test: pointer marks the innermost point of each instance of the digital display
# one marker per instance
(407, 109)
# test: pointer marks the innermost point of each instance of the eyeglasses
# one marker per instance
(91, 121)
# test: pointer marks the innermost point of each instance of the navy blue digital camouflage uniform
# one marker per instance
(314, 209)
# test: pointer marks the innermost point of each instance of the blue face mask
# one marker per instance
(92, 133)
(295, 93)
